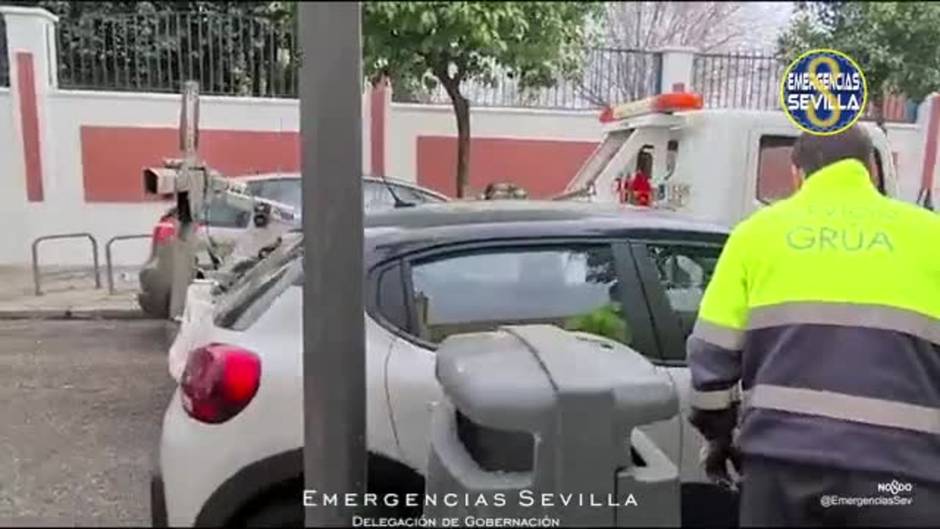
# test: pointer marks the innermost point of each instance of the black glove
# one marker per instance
(715, 458)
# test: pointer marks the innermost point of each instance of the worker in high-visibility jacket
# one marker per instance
(816, 353)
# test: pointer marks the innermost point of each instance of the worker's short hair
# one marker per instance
(811, 152)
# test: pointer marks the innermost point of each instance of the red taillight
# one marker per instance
(219, 381)
(164, 231)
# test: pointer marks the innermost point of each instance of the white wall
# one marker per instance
(908, 141)
(408, 121)
(12, 177)
(64, 209)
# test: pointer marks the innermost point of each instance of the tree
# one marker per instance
(236, 48)
(453, 42)
(896, 44)
(709, 27)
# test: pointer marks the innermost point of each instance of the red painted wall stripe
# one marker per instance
(29, 118)
(378, 110)
(930, 150)
(113, 157)
(541, 167)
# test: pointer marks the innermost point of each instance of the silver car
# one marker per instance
(223, 224)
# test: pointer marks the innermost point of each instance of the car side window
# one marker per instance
(219, 214)
(415, 196)
(576, 288)
(376, 197)
(390, 296)
(684, 272)
(284, 190)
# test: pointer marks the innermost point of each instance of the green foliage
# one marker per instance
(71, 10)
(430, 42)
(237, 48)
(421, 44)
(607, 321)
(897, 44)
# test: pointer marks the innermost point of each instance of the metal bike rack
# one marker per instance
(107, 255)
(94, 252)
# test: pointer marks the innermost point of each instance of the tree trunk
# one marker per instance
(462, 112)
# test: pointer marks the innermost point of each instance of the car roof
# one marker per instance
(411, 229)
(369, 178)
(292, 176)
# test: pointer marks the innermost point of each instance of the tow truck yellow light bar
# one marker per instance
(663, 103)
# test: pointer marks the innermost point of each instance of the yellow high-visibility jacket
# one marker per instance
(825, 310)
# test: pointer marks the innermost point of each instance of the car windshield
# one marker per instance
(376, 195)
(250, 293)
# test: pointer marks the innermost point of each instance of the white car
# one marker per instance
(231, 445)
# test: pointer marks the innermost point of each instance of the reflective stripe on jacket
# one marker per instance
(823, 320)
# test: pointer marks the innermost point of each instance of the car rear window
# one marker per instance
(242, 307)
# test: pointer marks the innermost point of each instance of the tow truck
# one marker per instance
(718, 165)
(192, 183)
(270, 219)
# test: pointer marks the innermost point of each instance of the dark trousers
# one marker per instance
(777, 493)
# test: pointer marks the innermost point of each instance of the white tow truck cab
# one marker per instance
(717, 165)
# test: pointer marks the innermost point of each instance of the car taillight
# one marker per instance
(219, 381)
(164, 231)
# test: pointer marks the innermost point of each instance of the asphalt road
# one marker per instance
(80, 410)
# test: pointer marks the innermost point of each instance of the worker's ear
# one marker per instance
(797, 175)
(873, 169)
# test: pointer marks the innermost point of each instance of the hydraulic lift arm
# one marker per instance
(193, 183)
(269, 219)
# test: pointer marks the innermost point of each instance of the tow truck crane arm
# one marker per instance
(192, 182)
(270, 219)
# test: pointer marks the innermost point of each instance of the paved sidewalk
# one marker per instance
(67, 293)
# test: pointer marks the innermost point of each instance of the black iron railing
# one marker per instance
(228, 54)
(738, 80)
(607, 76)
(255, 55)
(252, 55)
(752, 81)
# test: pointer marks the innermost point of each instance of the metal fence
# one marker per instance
(251, 55)
(747, 81)
(752, 81)
(607, 76)
(227, 54)
(4, 66)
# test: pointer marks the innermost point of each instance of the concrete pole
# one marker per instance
(677, 69)
(334, 329)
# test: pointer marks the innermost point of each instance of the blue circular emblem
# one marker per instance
(823, 92)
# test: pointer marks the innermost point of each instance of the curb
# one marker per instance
(75, 314)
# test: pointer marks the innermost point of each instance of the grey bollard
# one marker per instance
(540, 423)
